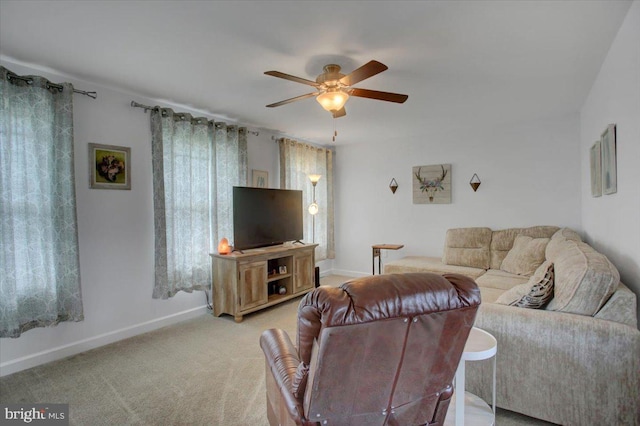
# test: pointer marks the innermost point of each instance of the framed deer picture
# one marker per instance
(432, 184)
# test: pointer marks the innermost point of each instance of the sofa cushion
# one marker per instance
(429, 264)
(555, 246)
(502, 240)
(468, 247)
(535, 294)
(489, 294)
(566, 234)
(501, 243)
(539, 231)
(525, 256)
(495, 278)
(584, 278)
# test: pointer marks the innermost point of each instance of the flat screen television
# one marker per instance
(265, 217)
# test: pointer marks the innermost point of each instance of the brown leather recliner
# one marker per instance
(380, 350)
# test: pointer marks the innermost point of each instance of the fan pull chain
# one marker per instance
(335, 132)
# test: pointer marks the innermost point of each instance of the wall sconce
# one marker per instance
(393, 185)
(475, 182)
(223, 246)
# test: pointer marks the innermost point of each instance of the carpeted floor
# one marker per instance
(205, 371)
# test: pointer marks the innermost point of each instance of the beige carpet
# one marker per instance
(205, 371)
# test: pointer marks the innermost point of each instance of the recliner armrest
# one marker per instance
(282, 359)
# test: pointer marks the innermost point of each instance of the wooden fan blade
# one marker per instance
(339, 113)
(292, 78)
(369, 69)
(381, 96)
(297, 98)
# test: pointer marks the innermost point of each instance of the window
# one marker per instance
(297, 162)
(40, 280)
(196, 163)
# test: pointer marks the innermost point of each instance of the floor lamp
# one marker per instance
(313, 207)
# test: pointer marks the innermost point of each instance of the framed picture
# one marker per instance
(608, 150)
(432, 184)
(109, 167)
(259, 179)
(596, 170)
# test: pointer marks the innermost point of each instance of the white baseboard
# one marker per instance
(326, 273)
(346, 273)
(80, 346)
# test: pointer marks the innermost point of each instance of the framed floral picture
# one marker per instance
(109, 167)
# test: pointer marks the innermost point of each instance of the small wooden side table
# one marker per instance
(376, 253)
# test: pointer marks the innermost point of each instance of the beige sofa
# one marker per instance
(573, 361)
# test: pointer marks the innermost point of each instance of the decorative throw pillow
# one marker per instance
(534, 294)
(540, 294)
(300, 380)
(526, 255)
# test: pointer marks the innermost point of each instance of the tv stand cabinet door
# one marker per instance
(304, 265)
(252, 284)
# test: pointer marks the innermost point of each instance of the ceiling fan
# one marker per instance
(333, 88)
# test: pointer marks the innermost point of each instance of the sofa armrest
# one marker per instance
(282, 362)
(621, 307)
(560, 367)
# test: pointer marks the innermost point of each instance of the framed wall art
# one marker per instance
(596, 170)
(432, 184)
(608, 158)
(259, 179)
(109, 167)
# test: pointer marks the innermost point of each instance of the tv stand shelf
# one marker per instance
(276, 277)
(245, 282)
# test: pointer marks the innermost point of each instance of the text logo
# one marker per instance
(35, 414)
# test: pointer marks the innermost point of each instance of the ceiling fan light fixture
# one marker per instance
(333, 100)
(333, 89)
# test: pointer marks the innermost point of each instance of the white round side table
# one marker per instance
(467, 409)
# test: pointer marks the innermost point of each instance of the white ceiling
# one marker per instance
(459, 61)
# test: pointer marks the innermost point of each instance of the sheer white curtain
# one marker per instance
(297, 162)
(39, 260)
(195, 165)
(230, 168)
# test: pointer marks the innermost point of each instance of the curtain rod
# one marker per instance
(314, 144)
(134, 104)
(50, 85)
(146, 108)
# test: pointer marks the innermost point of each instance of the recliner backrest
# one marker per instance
(386, 347)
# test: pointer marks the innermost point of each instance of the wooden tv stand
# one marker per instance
(249, 281)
